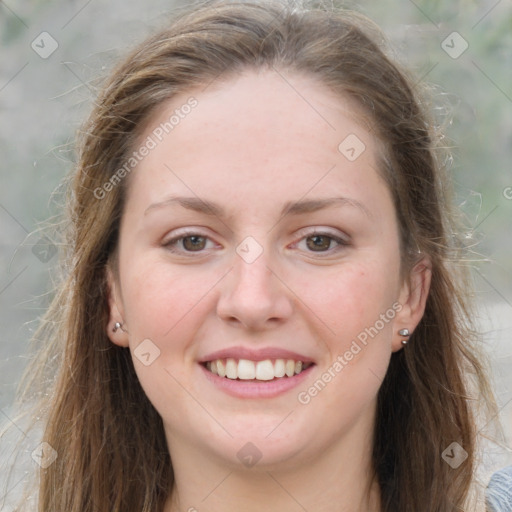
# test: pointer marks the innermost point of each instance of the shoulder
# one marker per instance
(499, 491)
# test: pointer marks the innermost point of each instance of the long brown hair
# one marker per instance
(112, 454)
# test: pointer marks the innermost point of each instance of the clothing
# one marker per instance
(499, 491)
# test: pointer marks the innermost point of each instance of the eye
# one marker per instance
(192, 242)
(320, 242)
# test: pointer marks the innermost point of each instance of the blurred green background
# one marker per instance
(44, 100)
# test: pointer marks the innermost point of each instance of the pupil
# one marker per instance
(194, 243)
(319, 242)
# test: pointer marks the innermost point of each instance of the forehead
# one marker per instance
(267, 134)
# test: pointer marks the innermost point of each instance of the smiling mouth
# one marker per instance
(266, 370)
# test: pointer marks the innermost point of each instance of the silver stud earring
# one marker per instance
(405, 333)
(117, 325)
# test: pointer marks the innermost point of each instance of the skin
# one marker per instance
(252, 144)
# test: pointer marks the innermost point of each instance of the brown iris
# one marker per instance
(194, 243)
(318, 242)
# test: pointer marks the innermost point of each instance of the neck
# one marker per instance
(275, 492)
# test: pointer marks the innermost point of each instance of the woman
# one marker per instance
(263, 308)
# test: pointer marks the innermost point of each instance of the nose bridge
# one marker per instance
(252, 264)
(252, 295)
(255, 275)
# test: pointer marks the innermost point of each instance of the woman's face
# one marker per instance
(258, 237)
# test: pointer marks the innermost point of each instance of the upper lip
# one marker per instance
(255, 355)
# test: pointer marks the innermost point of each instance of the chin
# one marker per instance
(267, 444)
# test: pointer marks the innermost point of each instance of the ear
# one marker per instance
(413, 297)
(118, 336)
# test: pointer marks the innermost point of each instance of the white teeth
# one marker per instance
(290, 368)
(231, 369)
(265, 370)
(221, 368)
(279, 369)
(245, 369)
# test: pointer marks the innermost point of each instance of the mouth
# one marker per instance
(263, 370)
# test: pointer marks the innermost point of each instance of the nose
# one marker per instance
(254, 297)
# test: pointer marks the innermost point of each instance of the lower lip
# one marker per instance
(256, 389)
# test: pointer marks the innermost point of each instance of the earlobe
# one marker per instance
(116, 330)
(413, 299)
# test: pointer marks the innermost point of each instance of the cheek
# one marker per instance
(163, 304)
(353, 299)
(167, 308)
(357, 306)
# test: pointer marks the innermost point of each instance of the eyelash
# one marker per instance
(342, 243)
(170, 244)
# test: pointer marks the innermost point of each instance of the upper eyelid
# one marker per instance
(317, 230)
(307, 231)
(184, 232)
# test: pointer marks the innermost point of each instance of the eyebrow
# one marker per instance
(290, 208)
